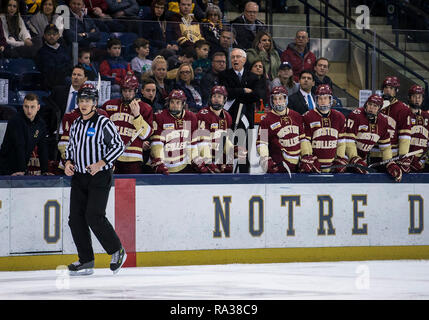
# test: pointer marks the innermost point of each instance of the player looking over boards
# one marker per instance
(419, 128)
(173, 146)
(130, 115)
(93, 147)
(365, 127)
(324, 129)
(281, 135)
(399, 123)
(215, 123)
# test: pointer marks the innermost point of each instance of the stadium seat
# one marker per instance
(13, 99)
(104, 37)
(23, 74)
(21, 95)
(127, 38)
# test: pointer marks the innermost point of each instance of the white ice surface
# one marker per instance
(373, 280)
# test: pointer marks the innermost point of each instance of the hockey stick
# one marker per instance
(237, 120)
(352, 165)
(287, 169)
(134, 137)
(409, 154)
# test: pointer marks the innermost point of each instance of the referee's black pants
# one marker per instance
(88, 201)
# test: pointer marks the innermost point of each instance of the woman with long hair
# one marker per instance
(16, 33)
(263, 49)
(262, 87)
(38, 22)
(211, 25)
(158, 73)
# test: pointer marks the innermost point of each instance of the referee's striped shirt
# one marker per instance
(93, 140)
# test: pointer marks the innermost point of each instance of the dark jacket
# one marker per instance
(235, 88)
(81, 26)
(298, 103)
(244, 34)
(192, 104)
(54, 64)
(19, 141)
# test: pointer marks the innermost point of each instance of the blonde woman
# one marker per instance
(158, 73)
(185, 82)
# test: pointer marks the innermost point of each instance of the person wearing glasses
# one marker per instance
(185, 81)
(299, 55)
(211, 78)
(247, 25)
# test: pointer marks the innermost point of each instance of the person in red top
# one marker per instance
(281, 136)
(399, 121)
(114, 67)
(325, 129)
(130, 115)
(419, 128)
(298, 54)
(215, 123)
(173, 144)
(365, 127)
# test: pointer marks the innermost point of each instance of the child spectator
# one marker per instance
(114, 68)
(140, 64)
(202, 64)
(84, 58)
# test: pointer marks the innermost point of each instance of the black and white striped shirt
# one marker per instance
(93, 140)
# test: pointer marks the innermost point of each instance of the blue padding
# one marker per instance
(198, 179)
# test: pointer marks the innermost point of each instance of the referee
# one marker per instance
(93, 147)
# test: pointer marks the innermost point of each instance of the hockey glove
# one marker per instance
(309, 164)
(159, 167)
(342, 162)
(405, 164)
(394, 170)
(418, 164)
(360, 162)
(268, 165)
(199, 165)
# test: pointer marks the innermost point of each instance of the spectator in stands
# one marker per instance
(185, 81)
(186, 55)
(16, 33)
(212, 24)
(263, 49)
(154, 27)
(202, 63)
(114, 68)
(261, 89)
(84, 58)
(123, 8)
(211, 78)
(285, 79)
(183, 27)
(53, 59)
(304, 99)
(38, 22)
(321, 68)
(97, 9)
(159, 75)
(173, 7)
(299, 55)
(247, 25)
(140, 64)
(82, 27)
(24, 132)
(226, 42)
(3, 43)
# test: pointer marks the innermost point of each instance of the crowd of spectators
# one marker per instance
(184, 44)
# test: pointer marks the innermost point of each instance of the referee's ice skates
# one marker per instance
(118, 259)
(81, 269)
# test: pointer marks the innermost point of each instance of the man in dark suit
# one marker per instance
(242, 86)
(62, 99)
(303, 100)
